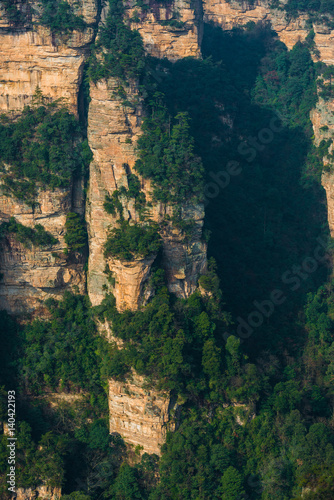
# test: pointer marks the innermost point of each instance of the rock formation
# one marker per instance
(322, 118)
(113, 130)
(140, 415)
(41, 493)
(230, 14)
(32, 274)
(33, 57)
(174, 40)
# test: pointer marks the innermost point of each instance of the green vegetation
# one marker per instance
(76, 233)
(325, 83)
(287, 83)
(50, 358)
(118, 51)
(113, 204)
(129, 241)
(173, 23)
(70, 444)
(166, 149)
(254, 412)
(59, 17)
(166, 155)
(172, 343)
(295, 7)
(43, 147)
(37, 236)
(14, 15)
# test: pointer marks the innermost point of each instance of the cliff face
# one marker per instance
(32, 274)
(234, 13)
(41, 492)
(138, 414)
(113, 131)
(32, 56)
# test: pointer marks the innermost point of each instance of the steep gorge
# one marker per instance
(138, 414)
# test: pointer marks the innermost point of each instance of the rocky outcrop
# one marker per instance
(169, 29)
(230, 14)
(323, 125)
(31, 56)
(40, 493)
(113, 131)
(141, 415)
(31, 274)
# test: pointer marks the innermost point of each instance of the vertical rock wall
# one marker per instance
(113, 131)
(138, 414)
(31, 274)
(171, 41)
(233, 13)
(230, 14)
(323, 125)
(32, 56)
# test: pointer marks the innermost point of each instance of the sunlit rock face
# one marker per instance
(139, 414)
(31, 274)
(113, 131)
(31, 56)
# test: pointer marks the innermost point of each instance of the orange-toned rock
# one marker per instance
(113, 131)
(172, 42)
(32, 274)
(41, 492)
(33, 57)
(230, 14)
(322, 117)
(139, 414)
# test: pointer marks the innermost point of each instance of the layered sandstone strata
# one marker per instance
(174, 40)
(31, 274)
(233, 13)
(139, 414)
(31, 56)
(113, 131)
(40, 493)
(230, 14)
(323, 125)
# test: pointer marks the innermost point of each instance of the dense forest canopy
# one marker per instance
(44, 147)
(257, 397)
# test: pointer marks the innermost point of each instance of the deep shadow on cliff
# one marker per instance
(262, 218)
